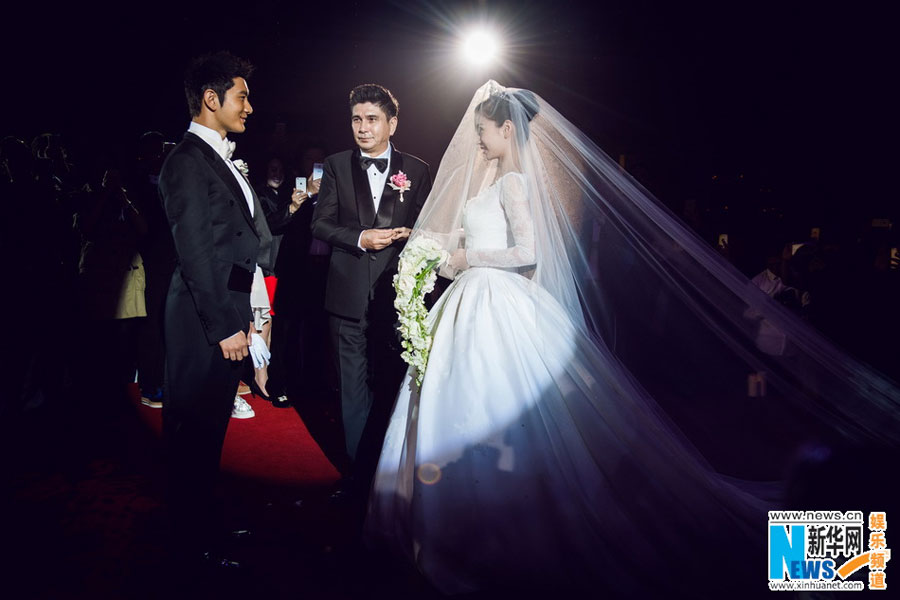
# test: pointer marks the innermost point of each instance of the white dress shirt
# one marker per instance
(376, 178)
(377, 181)
(221, 146)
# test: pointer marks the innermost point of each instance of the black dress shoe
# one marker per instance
(218, 562)
(340, 496)
(281, 402)
(240, 534)
(345, 492)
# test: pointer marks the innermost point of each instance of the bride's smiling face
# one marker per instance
(493, 139)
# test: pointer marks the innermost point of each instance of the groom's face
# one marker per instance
(372, 129)
(233, 113)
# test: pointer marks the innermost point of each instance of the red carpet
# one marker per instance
(274, 446)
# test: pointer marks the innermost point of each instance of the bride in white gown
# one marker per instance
(532, 455)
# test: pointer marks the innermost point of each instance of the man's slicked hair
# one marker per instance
(378, 95)
(216, 72)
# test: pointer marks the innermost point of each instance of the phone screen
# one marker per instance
(301, 184)
(317, 171)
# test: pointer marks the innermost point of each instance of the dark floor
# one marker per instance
(85, 519)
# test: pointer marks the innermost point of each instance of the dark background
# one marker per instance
(740, 111)
(769, 116)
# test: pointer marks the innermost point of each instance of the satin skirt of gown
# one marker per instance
(530, 457)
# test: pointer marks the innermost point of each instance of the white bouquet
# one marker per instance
(415, 277)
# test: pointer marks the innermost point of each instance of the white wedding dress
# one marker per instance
(516, 465)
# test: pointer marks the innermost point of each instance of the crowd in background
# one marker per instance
(94, 256)
(94, 259)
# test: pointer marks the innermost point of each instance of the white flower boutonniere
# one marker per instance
(400, 182)
(243, 167)
(415, 277)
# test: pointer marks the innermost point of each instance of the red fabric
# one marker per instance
(271, 283)
(273, 446)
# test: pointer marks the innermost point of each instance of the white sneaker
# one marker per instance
(242, 409)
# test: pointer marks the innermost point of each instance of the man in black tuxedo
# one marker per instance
(220, 233)
(366, 221)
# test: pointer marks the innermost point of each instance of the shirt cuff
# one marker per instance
(231, 336)
(359, 241)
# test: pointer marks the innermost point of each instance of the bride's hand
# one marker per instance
(457, 260)
(401, 233)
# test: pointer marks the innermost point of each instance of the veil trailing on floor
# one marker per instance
(590, 421)
(682, 320)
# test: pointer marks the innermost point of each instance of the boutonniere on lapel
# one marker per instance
(400, 182)
(243, 167)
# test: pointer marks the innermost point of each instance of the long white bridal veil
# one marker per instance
(618, 426)
(688, 328)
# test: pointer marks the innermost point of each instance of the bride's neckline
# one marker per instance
(496, 181)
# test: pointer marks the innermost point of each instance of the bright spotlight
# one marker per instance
(480, 47)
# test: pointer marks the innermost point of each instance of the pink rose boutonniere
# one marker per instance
(400, 182)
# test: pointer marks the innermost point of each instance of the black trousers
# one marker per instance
(350, 345)
(193, 451)
(199, 390)
(369, 367)
(285, 364)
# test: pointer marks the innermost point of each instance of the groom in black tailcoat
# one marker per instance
(367, 221)
(220, 233)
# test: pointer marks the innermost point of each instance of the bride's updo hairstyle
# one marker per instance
(518, 107)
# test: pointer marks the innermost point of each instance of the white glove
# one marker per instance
(259, 352)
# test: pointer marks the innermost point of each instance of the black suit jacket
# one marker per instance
(345, 208)
(217, 242)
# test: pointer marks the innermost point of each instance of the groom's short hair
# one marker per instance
(378, 95)
(216, 72)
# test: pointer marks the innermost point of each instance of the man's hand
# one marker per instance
(312, 185)
(235, 347)
(376, 239)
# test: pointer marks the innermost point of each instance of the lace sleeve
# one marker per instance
(518, 217)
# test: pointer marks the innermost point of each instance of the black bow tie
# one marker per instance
(380, 163)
